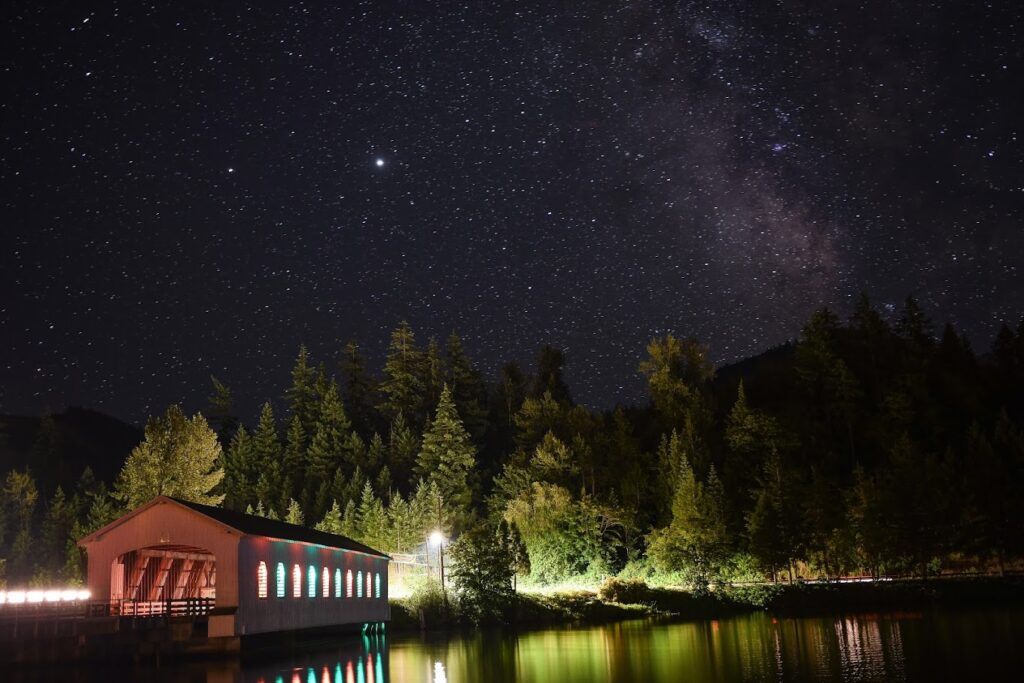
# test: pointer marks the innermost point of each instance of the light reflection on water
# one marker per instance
(867, 647)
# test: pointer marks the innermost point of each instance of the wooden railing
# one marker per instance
(183, 607)
(186, 607)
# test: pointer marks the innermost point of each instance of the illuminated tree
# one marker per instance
(677, 372)
(403, 388)
(482, 574)
(179, 456)
(696, 543)
(447, 458)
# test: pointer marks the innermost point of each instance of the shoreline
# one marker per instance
(635, 600)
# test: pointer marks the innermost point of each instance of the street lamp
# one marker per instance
(438, 539)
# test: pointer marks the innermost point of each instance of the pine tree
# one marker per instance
(372, 520)
(295, 515)
(433, 374)
(696, 542)
(447, 458)
(221, 412)
(301, 396)
(266, 446)
(403, 389)
(20, 496)
(403, 447)
(239, 469)
(468, 389)
(294, 459)
(179, 457)
(330, 449)
(57, 529)
(361, 392)
(350, 520)
(549, 378)
(331, 523)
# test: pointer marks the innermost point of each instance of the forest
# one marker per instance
(876, 445)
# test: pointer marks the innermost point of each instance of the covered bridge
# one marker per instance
(249, 574)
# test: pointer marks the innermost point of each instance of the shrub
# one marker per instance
(631, 592)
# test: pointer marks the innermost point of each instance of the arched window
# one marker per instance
(359, 583)
(261, 580)
(280, 579)
(326, 581)
(311, 582)
(369, 585)
(348, 584)
(337, 583)
(296, 581)
(376, 580)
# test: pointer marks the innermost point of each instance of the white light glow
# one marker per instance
(379, 162)
(436, 538)
(35, 596)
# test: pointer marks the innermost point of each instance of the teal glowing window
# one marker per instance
(311, 587)
(359, 584)
(337, 583)
(376, 585)
(280, 578)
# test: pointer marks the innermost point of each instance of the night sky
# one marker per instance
(189, 189)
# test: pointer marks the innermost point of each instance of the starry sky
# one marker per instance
(196, 188)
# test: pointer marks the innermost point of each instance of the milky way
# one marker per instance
(195, 191)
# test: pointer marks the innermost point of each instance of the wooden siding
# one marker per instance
(167, 524)
(264, 615)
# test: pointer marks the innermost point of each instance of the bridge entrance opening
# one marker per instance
(163, 580)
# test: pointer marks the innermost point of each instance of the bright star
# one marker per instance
(380, 162)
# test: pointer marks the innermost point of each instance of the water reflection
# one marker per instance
(354, 661)
(867, 647)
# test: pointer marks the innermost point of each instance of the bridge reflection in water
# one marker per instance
(365, 662)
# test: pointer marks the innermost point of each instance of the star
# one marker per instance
(379, 162)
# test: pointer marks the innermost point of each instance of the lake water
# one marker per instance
(929, 646)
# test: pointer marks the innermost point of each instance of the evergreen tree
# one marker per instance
(20, 496)
(447, 458)
(240, 467)
(360, 390)
(774, 524)
(57, 529)
(403, 447)
(372, 519)
(221, 412)
(468, 389)
(433, 374)
(302, 396)
(294, 460)
(537, 417)
(179, 457)
(696, 542)
(549, 380)
(403, 390)
(295, 515)
(330, 449)
(331, 523)
(267, 456)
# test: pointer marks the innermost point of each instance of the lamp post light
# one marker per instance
(438, 539)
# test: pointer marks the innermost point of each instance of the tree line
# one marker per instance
(867, 446)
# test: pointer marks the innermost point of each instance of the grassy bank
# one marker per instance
(618, 600)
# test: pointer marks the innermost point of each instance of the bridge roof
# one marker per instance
(251, 525)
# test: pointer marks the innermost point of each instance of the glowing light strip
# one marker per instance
(35, 596)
